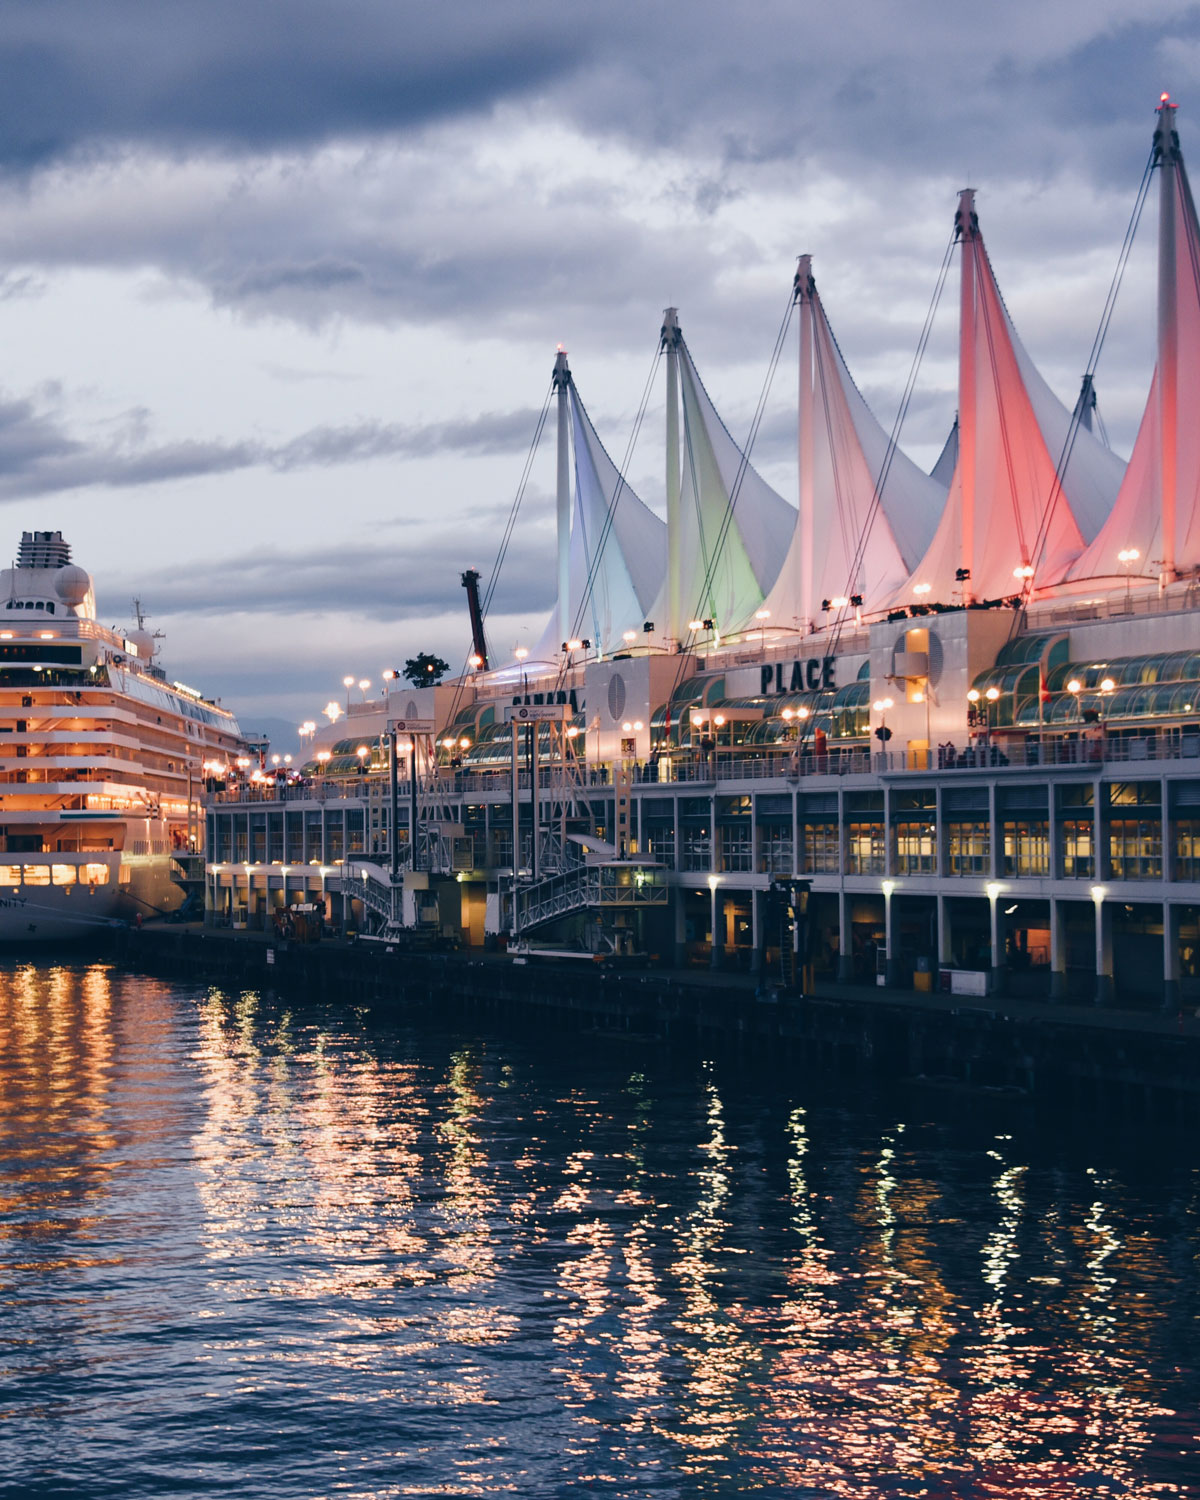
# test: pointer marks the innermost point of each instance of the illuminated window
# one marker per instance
(820, 848)
(37, 874)
(866, 849)
(1026, 847)
(96, 874)
(10, 874)
(968, 848)
(916, 848)
(63, 874)
(1135, 848)
(1078, 856)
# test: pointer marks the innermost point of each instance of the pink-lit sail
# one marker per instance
(1163, 478)
(1007, 511)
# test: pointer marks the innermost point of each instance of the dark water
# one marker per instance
(270, 1252)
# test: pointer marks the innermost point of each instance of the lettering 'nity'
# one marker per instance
(815, 673)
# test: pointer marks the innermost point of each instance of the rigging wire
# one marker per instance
(684, 646)
(1073, 426)
(619, 489)
(505, 538)
(885, 467)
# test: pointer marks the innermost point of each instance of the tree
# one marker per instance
(424, 668)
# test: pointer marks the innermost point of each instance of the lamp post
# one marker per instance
(762, 616)
(993, 889)
(882, 733)
(347, 683)
(1127, 557)
(714, 905)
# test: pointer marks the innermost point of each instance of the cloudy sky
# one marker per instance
(281, 283)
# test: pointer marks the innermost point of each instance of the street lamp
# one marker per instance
(363, 684)
(883, 733)
(347, 683)
(1127, 557)
(332, 711)
(323, 761)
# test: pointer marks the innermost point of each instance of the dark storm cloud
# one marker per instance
(39, 457)
(78, 75)
(383, 579)
(765, 81)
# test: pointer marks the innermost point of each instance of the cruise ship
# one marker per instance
(102, 759)
(914, 729)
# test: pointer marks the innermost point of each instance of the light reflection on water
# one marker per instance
(283, 1252)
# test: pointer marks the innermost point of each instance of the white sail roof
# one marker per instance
(1136, 521)
(856, 546)
(1012, 433)
(943, 470)
(618, 556)
(734, 528)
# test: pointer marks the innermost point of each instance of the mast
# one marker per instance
(1166, 151)
(805, 290)
(670, 339)
(967, 227)
(562, 381)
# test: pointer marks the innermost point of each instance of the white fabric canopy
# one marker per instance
(857, 547)
(734, 527)
(617, 566)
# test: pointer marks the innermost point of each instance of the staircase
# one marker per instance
(612, 885)
(372, 885)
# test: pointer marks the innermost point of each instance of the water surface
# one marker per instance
(253, 1249)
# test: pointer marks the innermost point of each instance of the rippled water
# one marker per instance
(273, 1252)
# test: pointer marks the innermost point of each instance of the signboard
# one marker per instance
(536, 713)
(411, 726)
(817, 673)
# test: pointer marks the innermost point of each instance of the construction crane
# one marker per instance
(479, 654)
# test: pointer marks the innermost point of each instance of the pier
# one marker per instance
(1082, 1059)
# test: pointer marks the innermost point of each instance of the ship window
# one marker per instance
(49, 606)
(37, 874)
(63, 874)
(10, 874)
(96, 874)
(41, 604)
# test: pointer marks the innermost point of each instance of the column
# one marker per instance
(756, 897)
(1104, 964)
(679, 903)
(945, 934)
(1058, 949)
(845, 970)
(1171, 994)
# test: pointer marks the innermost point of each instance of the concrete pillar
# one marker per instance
(756, 897)
(1104, 963)
(716, 916)
(1171, 993)
(944, 933)
(1058, 949)
(677, 899)
(845, 969)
